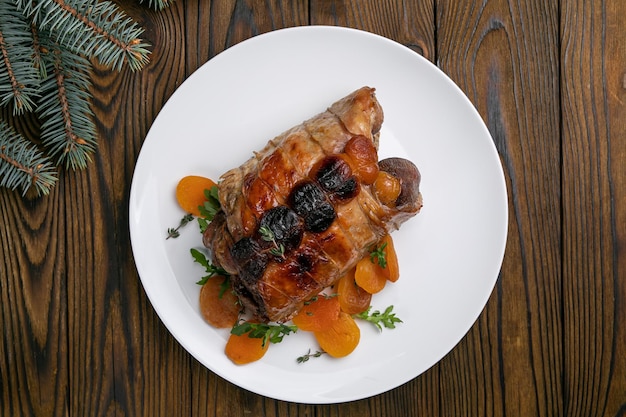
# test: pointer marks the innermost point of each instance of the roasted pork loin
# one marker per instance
(304, 210)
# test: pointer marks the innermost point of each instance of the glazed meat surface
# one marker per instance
(305, 209)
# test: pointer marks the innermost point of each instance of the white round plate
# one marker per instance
(450, 254)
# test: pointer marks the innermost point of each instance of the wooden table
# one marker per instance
(80, 338)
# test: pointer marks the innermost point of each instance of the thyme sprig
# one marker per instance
(309, 355)
(272, 333)
(173, 232)
(378, 319)
(268, 236)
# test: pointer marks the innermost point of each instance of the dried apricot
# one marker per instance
(352, 298)
(219, 307)
(243, 349)
(392, 268)
(190, 192)
(369, 275)
(341, 338)
(318, 314)
(387, 188)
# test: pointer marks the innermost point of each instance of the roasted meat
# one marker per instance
(305, 209)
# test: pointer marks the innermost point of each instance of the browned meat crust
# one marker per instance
(302, 211)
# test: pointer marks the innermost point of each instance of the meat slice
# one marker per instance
(304, 210)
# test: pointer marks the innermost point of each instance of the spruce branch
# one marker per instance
(68, 130)
(158, 4)
(38, 50)
(46, 51)
(97, 28)
(19, 80)
(22, 165)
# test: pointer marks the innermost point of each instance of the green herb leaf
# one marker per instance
(203, 223)
(212, 204)
(225, 286)
(309, 355)
(272, 333)
(173, 232)
(378, 319)
(379, 255)
(268, 236)
(208, 266)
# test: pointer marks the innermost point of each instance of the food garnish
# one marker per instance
(392, 268)
(318, 314)
(378, 319)
(218, 304)
(378, 255)
(210, 269)
(209, 207)
(268, 236)
(242, 349)
(341, 338)
(370, 276)
(190, 192)
(309, 355)
(273, 333)
(352, 298)
(173, 232)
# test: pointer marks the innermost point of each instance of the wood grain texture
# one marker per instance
(80, 338)
(594, 207)
(504, 55)
(410, 23)
(34, 318)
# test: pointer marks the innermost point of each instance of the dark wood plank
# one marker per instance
(409, 23)
(505, 57)
(33, 293)
(122, 361)
(594, 207)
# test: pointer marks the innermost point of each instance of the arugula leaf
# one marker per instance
(378, 319)
(203, 223)
(272, 333)
(210, 269)
(211, 206)
(379, 255)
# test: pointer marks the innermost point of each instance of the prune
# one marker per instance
(332, 173)
(252, 270)
(320, 219)
(348, 189)
(305, 197)
(244, 249)
(285, 225)
(309, 201)
(250, 260)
